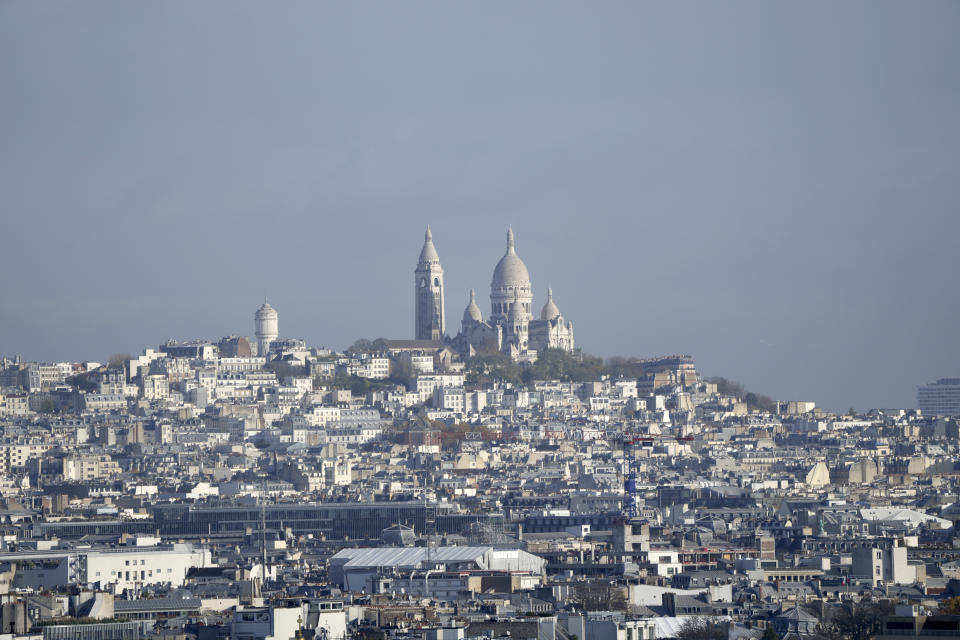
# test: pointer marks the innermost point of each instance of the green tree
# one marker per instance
(950, 607)
(620, 367)
(557, 364)
(485, 368)
(119, 360)
(48, 405)
(401, 372)
(727, 387)
(770, 633)
(757, 401)
(360, 386)
(362, 345)
(760, 402)
(82, 382)
(283, 369)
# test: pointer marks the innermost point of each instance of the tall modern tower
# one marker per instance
(430, 320)
(265, 328)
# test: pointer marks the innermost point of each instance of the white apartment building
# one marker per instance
(135, 364)
(156, 387)
(319, 416)
(418, 363)
(337, 472)
(474, 401)
(596, 627)
(89, 467)
(233, 365)
(44, 376)
(327, 618)
(322, 368)
(14, 405)
(884, 565)
(373, 367)
(104, 402)
(206, 378)
(18, 455)
(428, 382)
(351, 435)
(120, 568)
(450, 399)
(115, 383)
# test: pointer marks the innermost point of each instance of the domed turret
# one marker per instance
(510, 280)
(472, 312)
(550, 310)
(265, 323)
(428, 255)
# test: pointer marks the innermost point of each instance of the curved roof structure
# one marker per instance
(510, 271)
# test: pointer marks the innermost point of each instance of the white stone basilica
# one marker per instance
(510, 328)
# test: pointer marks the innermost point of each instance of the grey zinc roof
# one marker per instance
(407, 556)
(156, 604)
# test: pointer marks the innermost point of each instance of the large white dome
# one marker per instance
(510, 271)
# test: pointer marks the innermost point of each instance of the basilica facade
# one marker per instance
(510, 328)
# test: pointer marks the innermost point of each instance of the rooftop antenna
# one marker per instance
(429, 523)
(263, 532)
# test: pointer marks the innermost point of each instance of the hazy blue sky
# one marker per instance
(771, 187)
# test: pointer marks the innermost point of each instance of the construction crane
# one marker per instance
(630, 440)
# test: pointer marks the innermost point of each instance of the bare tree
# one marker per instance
(701, 628)
(856, 621)
(599, 596)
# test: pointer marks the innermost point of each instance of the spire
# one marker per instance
(510, 248)
(473, 296)
(429, 253)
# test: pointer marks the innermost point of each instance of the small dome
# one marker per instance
(266, 310)
(472, 312)
(429, 253)
(550, 309)
(510, 271)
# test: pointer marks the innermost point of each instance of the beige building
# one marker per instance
(18, 455)
(85, 468)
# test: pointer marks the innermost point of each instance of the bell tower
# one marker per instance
(429, 320)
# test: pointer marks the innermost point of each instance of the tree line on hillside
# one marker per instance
(737, 390)
(490, 365)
